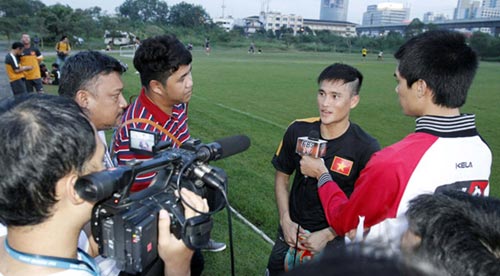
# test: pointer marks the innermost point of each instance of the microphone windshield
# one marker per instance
(233, 145)
(313, 135)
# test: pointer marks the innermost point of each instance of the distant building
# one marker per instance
(252, 24)
(490, 8)
(333, 10)
(467, 9)
(226, 23)
(385, 14)
(275, 20)
(431, 17)
(340, 28)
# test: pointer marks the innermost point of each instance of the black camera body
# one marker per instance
(126, 226)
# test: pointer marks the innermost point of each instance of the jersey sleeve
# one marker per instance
(283, 158)
(374, 197)
(8, 60)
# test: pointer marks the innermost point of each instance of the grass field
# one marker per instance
(259, 95)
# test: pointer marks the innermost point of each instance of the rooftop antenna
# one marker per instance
(223, 8)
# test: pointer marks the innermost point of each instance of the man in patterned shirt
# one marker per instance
(164, 65)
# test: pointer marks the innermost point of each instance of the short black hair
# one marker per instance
(55, 65)
(459, 232)
(344, 73)
(444, 61)
(17, 45)
(44, 138)
(159, 57)
(79, 71)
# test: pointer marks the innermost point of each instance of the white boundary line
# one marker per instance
(234, 211)
(244, 113)
(252, 226)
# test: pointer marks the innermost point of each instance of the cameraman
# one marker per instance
(48, 144)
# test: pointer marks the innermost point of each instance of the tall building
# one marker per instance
(334, 10)
(385, 13)
(490, 8)
(467, 9)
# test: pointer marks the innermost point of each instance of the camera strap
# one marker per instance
(155, 125)
(84, 261)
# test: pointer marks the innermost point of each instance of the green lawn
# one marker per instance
(259, 95)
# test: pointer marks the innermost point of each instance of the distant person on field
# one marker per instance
(137, 42)
(63, 49)
(251, 49)
(15, 71)
(434, 72)
(380, 55)
(46, 79)
(364, 51)
(36, 41)
(55, 74)
(32, 57)
(207, 46)
(303, 225)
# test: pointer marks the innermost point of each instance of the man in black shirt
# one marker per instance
(303, 224)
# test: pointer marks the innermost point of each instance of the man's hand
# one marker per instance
(316, 241)
(173, 252)
(313, 167)
(290, 231)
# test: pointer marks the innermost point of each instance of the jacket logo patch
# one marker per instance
(341, 165)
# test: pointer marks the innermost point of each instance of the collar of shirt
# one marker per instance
(159, 115)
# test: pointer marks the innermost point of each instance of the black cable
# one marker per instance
(296, 245)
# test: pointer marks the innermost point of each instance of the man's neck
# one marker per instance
(164, 105)
(435, 110)
(46, 239)
(333, 131)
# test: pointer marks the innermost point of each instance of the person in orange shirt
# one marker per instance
(15, 70)
(32, 56)
(62, 48)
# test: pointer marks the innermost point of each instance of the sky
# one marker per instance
(307, 8)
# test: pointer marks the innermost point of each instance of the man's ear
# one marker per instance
(156, 87)
(354, 101)
(422, 89)
(70, 189)
(82, 98)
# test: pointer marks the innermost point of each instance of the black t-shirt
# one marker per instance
(345, 157)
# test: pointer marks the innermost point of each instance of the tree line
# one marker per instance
(191, 23)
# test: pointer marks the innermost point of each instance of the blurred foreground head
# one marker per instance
(44, 138)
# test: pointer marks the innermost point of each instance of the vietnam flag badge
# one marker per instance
(341, 165)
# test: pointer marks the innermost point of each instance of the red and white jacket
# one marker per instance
(443, 153)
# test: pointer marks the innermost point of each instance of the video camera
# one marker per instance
(126, 226)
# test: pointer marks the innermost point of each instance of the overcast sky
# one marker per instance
(307, 8)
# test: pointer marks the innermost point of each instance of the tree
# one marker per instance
(414, 28)
(481, 43)
(15, 15)
(58, 20)
(154, 11)
(188, 16)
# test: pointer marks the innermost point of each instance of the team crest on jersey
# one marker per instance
(341, 165)
(475, 187)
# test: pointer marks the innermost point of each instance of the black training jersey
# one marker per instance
(345, 157)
